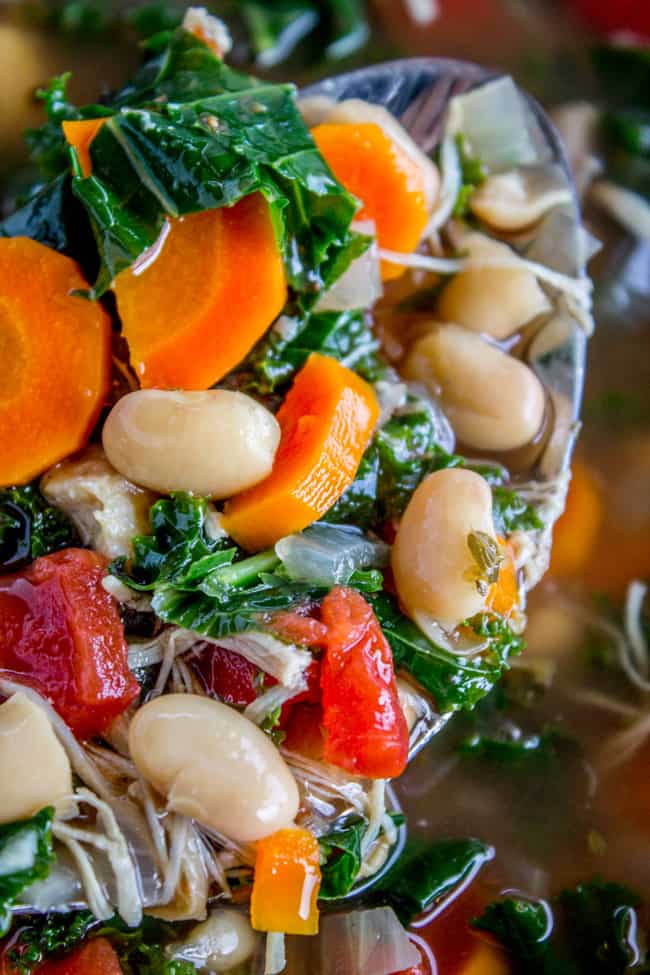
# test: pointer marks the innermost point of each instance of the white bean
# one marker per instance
(214, 443)
(214, 765)
(431, 560)
(493, 300)
(518, 198)
(220, 943)
(494, 402)
(34, 768)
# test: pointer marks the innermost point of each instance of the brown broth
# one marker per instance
(567, 821)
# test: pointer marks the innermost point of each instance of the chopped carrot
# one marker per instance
(80, 136)
(286, 884)
(487, 959)
(576, 530)
(326, 422)
(503, 595)
(54, 359)
(213, 290)
(389, 183)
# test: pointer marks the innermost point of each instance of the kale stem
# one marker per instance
(240, 573)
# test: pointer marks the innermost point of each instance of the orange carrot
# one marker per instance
(503, 595)
(80, 135)
(486, 960)
(54, 359)
(389, 183)
(326, 422)
(575, 532)
(286, 884)
(206, 299)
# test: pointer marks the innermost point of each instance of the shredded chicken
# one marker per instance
(105, 508)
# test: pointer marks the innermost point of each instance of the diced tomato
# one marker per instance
(61, 633)
(304, 731)
(296, 628)
(228, 675)
(97, 957)
(365, 728)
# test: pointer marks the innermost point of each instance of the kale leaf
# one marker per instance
(191, 134)
(454, 682)
(140, 950)
(426, 872)
(30, 527)
(25, 857)
(341, 852)
(589, 930)
(512, 748)
(346, 336)
(512, 513)
(203, 583)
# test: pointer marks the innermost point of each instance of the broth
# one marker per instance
(584, 808)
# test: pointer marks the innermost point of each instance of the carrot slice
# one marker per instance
(389, 183)
(575, 532)
(54, 359)
(203, 303)
(503, 595)
(80, 135)
(326, 422)
(286, 884)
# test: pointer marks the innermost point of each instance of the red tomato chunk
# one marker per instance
(365, 727)
(227, 675)
(94, 958)
(61, 633)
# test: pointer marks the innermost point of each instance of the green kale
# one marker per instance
(590, 930)
(25, 857)
(346, 336)
(191, 134)
(30, 527)
(454, 682)
(140, 950)
(427, 872)
(341, 855)
(512, 748)
(202, 583)
(511, 513)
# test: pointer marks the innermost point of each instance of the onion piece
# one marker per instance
(329, 554)
(452, 180)
(498, 125)
(360, 942)
(284, 661)
(360, 284)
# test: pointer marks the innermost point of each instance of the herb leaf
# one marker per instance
(512, 513)
(427, 872)
(341, 850)
(25, 857)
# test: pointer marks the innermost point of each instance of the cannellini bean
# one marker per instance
(494, 300)
(321, 110)
(520, 197)
(220, 943)
(494, 402)
(214, 765)
(34, 768)
(433, 566)
(213, 443)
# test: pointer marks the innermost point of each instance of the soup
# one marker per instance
(528, 780)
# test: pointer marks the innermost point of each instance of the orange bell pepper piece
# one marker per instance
(286, 884)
